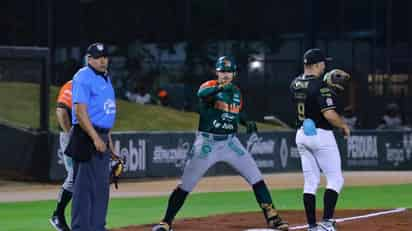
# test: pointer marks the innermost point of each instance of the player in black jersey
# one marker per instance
(316, 116)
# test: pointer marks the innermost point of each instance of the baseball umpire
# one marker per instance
(64, 116)
(220, 107)
(315, 101)
(94, 110)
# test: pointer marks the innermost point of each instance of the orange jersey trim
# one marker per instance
(233, 108)
(210, 83)
(65, 94)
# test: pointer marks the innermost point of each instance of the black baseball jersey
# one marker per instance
(311, 97)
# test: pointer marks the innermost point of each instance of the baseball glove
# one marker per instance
(337, 79)
(117, 170)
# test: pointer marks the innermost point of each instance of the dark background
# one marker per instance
(370, 39)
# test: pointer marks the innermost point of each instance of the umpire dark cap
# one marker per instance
(97, 50)
(314, 55)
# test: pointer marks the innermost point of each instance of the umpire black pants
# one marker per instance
(91, 192)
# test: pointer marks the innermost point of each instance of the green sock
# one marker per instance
(176, 201)
(262, 193)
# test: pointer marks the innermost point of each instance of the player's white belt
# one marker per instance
(216, 137)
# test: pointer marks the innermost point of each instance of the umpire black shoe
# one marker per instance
(59, 223)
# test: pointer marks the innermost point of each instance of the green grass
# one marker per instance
(127, 211)
(20, 106)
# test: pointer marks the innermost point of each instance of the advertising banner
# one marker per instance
(164, 154)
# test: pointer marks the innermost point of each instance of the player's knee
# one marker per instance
(186, 186)
(254, 179)
(336, 182)
(69, 181)
(310, 188)
(68, 185)
(311, 184)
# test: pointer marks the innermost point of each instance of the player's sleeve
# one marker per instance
(81, 90)
(209, 88)
(292, 90)
(326, 99)
(64, 100)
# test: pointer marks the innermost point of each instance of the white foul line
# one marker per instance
(399, 210)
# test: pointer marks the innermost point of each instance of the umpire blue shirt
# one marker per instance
(95, 90)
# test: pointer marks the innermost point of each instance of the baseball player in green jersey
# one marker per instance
(216, 141)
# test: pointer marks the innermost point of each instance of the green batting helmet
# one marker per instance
(225, 64)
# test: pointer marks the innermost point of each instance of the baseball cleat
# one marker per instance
(59, 223)
(315, 228)
(162, 226)
(278, 224)
(328, 225)
(273, 219)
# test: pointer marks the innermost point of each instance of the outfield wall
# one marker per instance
(28, 154)
(25, 153)
(160, 154)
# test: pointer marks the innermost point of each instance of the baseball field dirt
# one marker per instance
(12, 191)
(243, 221)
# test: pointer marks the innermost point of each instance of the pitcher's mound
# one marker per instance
(242, 221)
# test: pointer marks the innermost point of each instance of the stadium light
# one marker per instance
(256, 65)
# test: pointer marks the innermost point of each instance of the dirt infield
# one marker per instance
(23, 191)
(243, 221)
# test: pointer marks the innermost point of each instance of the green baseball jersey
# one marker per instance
(219, 108)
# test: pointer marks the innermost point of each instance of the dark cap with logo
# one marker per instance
(97, 50)
(313, 56)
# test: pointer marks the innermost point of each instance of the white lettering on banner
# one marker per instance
(362, 150)
(362, 147)
(407, 145)
(176, 156)
(401, 153)
(284, 152)
(265, 163)
(294, 153)
(256, 145)
(135, 157)
(394, 155)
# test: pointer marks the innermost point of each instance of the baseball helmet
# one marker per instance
(225, 64)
